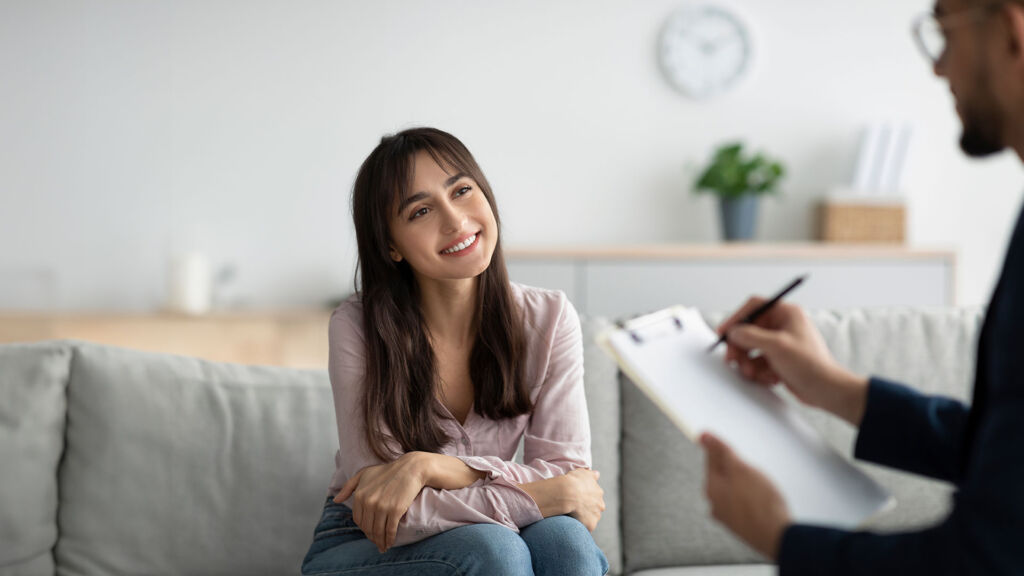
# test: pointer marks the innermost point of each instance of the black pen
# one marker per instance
(762, 308)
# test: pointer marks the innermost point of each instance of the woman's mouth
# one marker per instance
(463, 246)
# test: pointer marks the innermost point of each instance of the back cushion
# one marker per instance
(177, 465)
(932, 351)
(604, 406)
(33, 383)
(665, 515)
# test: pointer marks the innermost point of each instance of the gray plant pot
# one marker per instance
(739, 217)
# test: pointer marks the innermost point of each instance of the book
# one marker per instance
(666, 355)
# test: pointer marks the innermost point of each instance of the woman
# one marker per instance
(440, 366)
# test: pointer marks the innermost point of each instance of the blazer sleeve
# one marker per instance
(982, 534)
(433, 511)
(907, 430)
(557, 438)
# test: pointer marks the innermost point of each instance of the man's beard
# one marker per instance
(982, 120)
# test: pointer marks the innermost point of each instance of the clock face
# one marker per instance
(704, 50)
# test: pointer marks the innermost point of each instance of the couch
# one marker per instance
(115, 461)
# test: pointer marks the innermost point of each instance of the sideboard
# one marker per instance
(624, 281)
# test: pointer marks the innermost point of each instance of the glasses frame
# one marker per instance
(946, 22)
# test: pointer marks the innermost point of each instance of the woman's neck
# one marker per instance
(448, 308)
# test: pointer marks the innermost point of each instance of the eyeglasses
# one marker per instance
(930, 30)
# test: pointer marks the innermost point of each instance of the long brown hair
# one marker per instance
(401, 372)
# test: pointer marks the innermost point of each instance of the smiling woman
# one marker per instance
(440, 366)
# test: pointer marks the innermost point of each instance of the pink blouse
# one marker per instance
(556, 435)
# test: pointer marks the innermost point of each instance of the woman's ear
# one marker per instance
(395, 255)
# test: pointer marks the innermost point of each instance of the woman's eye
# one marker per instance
(463, 191)
(418, 213)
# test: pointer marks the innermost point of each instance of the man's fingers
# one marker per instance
(720, 457)
(717, 452)
(758, 370)
(738, 315)
(750, 337)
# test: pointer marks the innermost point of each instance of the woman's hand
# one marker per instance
(793, 352)
(575, 494)
(588, 497)
(743, 499)
(382, 495)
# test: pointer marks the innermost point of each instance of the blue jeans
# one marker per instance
(557, 545)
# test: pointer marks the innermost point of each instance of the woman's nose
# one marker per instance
(454, 219)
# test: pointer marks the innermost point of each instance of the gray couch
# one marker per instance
(124, 462)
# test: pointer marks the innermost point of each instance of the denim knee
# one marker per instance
(562, 545)
(493, 549)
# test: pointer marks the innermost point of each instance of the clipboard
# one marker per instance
(665, 355)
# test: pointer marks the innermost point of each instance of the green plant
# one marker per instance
(731, 175)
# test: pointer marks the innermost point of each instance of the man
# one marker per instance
(978, 46)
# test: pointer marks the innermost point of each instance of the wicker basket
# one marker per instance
(863, 222)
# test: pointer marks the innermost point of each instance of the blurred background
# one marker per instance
(135, 135)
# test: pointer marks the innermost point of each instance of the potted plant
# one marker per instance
(739, 181)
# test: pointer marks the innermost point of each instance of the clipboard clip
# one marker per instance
(644, 324)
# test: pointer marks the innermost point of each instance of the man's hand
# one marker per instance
(743, 499)
(383, 494)
(793, 352)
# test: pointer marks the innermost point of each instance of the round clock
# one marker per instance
(704, 49)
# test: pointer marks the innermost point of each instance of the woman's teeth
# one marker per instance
(461, 245)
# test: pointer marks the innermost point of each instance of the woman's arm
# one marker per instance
(557, 441)
(433, 510)
(576, 493)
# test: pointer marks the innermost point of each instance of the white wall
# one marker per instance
(130, 130)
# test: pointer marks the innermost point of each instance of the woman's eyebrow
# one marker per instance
(421, 195)
(411, 200)
(449, 182)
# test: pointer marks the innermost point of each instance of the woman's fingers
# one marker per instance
(357, 513)
(380, 529)
(392, 526)
(350, 486)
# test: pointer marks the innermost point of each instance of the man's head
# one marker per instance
(983, 61)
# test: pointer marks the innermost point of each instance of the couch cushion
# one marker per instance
(604, 406)
(33, 384)
(933, 351)
(176, 465)
(665, 516)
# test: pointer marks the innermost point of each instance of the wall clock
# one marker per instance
(704, 49)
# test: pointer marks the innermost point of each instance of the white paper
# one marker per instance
(699, 393)
(867, 158)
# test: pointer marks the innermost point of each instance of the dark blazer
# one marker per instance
(978, 449)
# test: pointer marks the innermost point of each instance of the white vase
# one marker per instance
(190, 286)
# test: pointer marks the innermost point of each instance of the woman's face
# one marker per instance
(445, 229)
